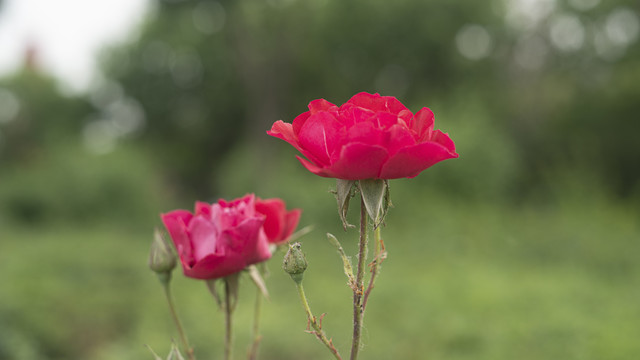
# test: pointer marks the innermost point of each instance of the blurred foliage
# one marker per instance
(462, 281)
(556, 80)
(521, 248)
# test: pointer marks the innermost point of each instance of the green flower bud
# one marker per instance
(295, 262)
(162, 259)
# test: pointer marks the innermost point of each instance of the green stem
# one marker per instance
(358, 291)
(253, 351)
(176, 320)
(228, 339)
(374, 267)
(313, 322)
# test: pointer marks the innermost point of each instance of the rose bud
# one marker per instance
(295, 262)
(162, 259)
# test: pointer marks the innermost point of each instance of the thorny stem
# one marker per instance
(228, 339)
(253, 351)
(176, 320)
(358, 291)
(315, 323)
(377, 259)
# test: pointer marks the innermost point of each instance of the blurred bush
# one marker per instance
(549, 84)
(522, 244)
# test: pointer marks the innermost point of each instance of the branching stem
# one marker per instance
(316, 323)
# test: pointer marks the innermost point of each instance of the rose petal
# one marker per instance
(349, 115)
(321, 105)
(444, 140)
(274, 211)
(203, 238)
(242, 238)
(376, 103)
(384, 120)
(315, 168)
(398, 137)
(411, 160)
(260, 252)
(299, 121)
(359, 161)
(367, 133)
(365, 100)
(321, 135)
(203, 209)
(176, 223)
(394, 105)
(423, 124)
(284, 131)
(291, 222)
(216, 266)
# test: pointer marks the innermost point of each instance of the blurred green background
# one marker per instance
(526, 247)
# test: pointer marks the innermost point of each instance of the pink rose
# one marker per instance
(279, 223)
(219, 239)
(368, 137)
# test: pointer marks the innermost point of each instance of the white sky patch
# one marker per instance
(66, 33)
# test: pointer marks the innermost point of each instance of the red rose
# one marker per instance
(279, 223)
(368, 137)
(219, 239)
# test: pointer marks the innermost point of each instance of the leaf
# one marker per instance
(348, 268)
(211, 285)
(175, 353)
(373, 193)
(155, 356)
(255, 275)
(343, 195)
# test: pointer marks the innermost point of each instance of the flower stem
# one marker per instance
(358, 291)
(176, 320)
(228, 339)
(253, 351)
(377, 259)
(315, 324)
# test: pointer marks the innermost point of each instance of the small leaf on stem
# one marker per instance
(211, 285)
(255, 275)
(373, 193)
(346, 263)
(343, 194)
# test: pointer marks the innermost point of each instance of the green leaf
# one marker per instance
(175, 353)
(343, 195)
(373, 193)
(211, 285)
(346, 263)
(255, 275)
(155, 356)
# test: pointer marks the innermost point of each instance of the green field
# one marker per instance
(462, 281)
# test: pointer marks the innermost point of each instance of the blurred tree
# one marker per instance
(53, 161)
(209, 73)
(33, 114)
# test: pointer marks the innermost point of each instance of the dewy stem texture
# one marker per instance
(358, 291)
